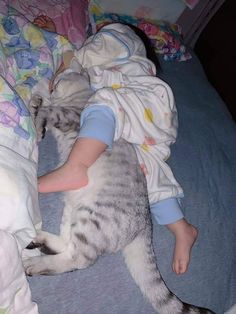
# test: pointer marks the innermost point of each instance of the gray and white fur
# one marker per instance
(110, 214)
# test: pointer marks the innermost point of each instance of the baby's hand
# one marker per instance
(45, 22)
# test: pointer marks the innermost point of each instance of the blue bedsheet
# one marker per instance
(204, 162)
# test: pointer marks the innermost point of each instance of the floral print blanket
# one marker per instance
(27, 54)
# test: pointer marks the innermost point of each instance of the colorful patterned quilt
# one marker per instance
(27, 54)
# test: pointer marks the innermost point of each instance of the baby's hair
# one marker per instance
(151, 54)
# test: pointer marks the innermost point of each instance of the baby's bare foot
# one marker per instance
(184, 241)
(185, 236)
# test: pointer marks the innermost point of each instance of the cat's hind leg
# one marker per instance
(48, 264)
(78, 253)
(67, 261)
(48, 242)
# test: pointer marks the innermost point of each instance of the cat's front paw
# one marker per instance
(27, 264)
(39, 241)
(33, 245)
(34, 266)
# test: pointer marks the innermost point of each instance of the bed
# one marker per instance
(203, 160)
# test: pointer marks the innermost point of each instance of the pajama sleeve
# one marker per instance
(98, 122)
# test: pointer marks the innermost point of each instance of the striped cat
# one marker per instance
(110, 214)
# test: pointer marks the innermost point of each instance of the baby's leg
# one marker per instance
(185, 236)
(73, 174)
(168, 212)
(86, 150)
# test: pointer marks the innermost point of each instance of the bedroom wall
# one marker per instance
(168, 10)
(215, 49)
(194, 21)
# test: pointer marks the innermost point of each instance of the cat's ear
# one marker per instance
(85, 74)
(76, 66)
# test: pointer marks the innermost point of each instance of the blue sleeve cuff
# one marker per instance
(98, 122)
(167, 211)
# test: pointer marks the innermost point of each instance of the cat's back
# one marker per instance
(117, 175)
(116, 193)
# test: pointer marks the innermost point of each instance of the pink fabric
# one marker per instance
(70, 16)
(73, 22)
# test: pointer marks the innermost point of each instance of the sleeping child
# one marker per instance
(129, 102)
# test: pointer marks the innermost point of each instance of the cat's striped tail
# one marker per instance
(141, 262)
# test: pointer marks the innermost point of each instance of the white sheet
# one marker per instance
(19, 209)
(15, 295)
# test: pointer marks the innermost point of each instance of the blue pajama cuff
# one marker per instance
(167, 211)
(98, 122)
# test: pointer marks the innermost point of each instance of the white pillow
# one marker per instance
(19, 208)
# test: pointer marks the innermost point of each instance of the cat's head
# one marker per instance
(69, 82)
